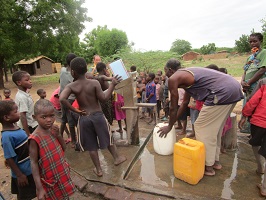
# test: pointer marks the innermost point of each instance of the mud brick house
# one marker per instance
(36, 66)
(191, 55)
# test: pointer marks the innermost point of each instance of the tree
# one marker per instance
(88, 46)
(242, 45)
(180, 46)
(108, 42)
(31, 28)
(208, 49)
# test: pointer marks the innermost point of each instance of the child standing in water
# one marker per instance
(50, 170)
(94, 129)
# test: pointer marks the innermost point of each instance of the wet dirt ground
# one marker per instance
(153, 173)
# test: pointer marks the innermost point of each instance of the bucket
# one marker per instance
(164, 146)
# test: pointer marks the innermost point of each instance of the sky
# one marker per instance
(155, 24)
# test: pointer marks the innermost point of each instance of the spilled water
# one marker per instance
(147, 171)
(227, 191)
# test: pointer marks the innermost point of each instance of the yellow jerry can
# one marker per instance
(189, 160)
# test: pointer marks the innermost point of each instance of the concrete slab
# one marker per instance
(153, 174)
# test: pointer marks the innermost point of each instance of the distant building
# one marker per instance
(191, 55)
(36, 66)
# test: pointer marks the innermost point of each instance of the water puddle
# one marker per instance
(227, 192)
(148, 169)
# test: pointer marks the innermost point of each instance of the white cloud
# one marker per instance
(154, 25)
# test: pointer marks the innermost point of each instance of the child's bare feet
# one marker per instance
(120, 160)
(190, 135)
(99, 173)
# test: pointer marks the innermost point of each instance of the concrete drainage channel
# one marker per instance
(104, 190)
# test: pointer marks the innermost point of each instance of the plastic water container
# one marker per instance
(189, 160)
(161, 145)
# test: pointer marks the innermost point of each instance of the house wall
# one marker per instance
(190, 56)
(44, 67)
(28, 68)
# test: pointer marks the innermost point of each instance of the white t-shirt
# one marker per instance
(25, 103)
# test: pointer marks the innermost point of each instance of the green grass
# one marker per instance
(46, 79)
(233, 64)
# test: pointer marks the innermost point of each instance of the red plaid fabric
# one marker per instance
(54, 170)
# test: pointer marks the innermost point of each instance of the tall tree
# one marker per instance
(88, 46)
(180, 46)
(108, 42)
(30, 28)
(242, 45)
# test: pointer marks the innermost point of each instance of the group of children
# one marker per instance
(149, 89)
(33, 145)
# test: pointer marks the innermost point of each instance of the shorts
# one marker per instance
(66, 116)
(94, 132)
(194, 113)
(27, 192)
(185, 114)
(258, 138)
(58, 115)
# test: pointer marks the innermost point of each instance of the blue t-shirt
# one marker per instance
(15, 145)
(151, 89)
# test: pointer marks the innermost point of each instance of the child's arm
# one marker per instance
(63, 99)
(34, 154)
(103, 96)
(55, 132)
(24, 122)
(22, 178)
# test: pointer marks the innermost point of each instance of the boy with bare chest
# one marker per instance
(103, 78)
(94, 129)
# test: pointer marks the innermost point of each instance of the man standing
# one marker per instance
(220, 93)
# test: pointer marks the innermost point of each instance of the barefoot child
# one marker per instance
(95, 131)
(119, 113)
(255, 110)
(151, 95)
(50, 170)
(16, 152)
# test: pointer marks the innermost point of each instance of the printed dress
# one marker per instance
(54, 170)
